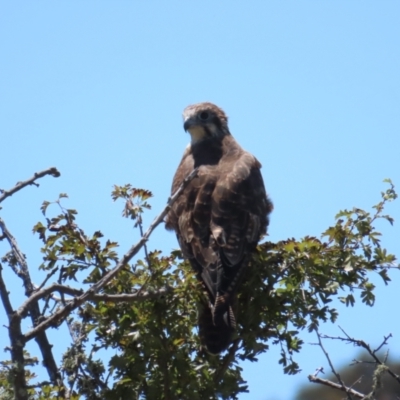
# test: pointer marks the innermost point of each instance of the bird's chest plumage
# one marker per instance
(207, 152)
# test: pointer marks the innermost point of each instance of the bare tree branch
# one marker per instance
(146, 253)
(227, 360)
(56, 287)
(77, 301)
(49, 275)
(384, 342)
(23, 272)
(17, 345)
(342, 385)
(372, 353)
(4, 294)
(34, 309)
(315, 379)
(31, 181)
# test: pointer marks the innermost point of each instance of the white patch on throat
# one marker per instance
(197, 133)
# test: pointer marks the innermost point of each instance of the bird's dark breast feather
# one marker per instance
(207, 152)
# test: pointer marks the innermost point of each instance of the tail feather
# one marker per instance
(215, 337)
(222, 312)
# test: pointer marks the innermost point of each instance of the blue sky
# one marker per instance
(97, 88)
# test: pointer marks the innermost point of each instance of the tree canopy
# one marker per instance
(142, 305)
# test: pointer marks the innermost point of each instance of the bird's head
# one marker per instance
(205, 120)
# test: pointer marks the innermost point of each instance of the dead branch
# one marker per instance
(77, 301)
(34, 309)
(372, 353)
(364, 345)
(17, 345)
(31, 181)
(228, 359)
(139, 223)
(23, 271)
(4, 295)
(49, 275)
(115, 298)
(342, 385)
(315, 379)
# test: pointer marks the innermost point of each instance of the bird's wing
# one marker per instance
(239, 208)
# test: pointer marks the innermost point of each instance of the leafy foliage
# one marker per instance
(152, 344)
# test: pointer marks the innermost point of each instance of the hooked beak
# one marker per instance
(189, 123)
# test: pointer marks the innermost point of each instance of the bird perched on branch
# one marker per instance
(219, 217)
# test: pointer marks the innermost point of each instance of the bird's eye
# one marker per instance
(204, 115)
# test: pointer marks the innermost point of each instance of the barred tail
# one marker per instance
(215, 337)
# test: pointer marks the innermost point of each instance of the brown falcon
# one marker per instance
(219, 217)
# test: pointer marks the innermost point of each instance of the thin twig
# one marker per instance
(386, 356)
(77, 348)
(49, 275)
(228, 359)
(46, 305)
(77, 301)
(318, 370)
(344, 388)
(355, 362)
(146, 253)
(366, 346)
(31, 181)
(385, 339)
(361, 343)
